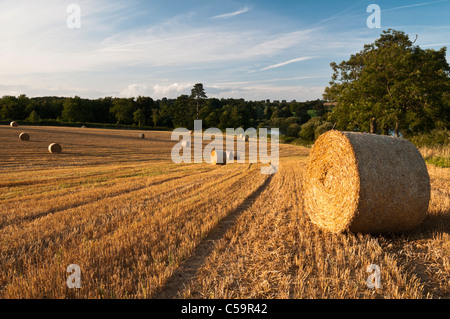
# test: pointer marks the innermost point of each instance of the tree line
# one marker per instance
(168, 113)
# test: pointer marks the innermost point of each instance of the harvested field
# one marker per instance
(140, 226)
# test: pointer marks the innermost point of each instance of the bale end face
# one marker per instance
(218, 158)
(142, 135)
(13, 124)
(230, 156)
(55, 148)
(365, 183)
(24, 136)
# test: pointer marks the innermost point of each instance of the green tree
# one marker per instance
(390, 85)
(293, 130)
(139, 117)
(12, 107)
(182, 113)
(198, 94)
(122, 109)
(155, 117)
(72, 111)
(33, 117)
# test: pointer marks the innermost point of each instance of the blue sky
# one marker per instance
(254, 50)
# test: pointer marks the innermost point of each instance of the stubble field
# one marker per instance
(140, 226)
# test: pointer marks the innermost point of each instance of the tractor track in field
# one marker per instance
(188, 269)
(33, 217)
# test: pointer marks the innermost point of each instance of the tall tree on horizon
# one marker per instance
(198, 94)
(391, 85)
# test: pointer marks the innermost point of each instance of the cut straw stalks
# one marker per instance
(365, 183)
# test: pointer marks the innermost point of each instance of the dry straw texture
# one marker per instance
(24, 136)
(54, 148)
(365, 183)
(13, 124)
(218, 157)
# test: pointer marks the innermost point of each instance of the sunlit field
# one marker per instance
(140, 226)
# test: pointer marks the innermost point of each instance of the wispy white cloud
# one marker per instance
(161, 90)
(231, 14)
(274, 66)
(415, 5)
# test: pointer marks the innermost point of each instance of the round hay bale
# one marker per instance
(365, 183)
(186, 144)
(55, 148)
(218, 157)
(142, 135)
(237, 156)
(83, 126)
(24, 136)
(14, 124)
(230, 156)
(244, 138)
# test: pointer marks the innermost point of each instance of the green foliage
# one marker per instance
(72, 110)
(315, 127)
(391, 85)
(323, 128)
(155, 117)
(12, 107)
(439, 161)
(434, 138)
(34, 117)
(198, 94)
(293, 130)
(122, 109)
(139, 117)
(182, 112)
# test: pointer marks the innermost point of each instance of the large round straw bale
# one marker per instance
(13, 124)
(142, 135)
(24, 136)
(230, 156)
(218, 157)
(365, 183)
(54, 148)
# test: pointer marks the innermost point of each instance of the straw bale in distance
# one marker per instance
(24, 136)
(142, 135)
(230, 156)
(13, 124)
(218, 157)
(55, 148)
(365, 183)
(186, 144)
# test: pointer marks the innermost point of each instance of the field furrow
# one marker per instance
(140, 226)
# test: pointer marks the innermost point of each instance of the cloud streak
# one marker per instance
(231, 14)
(274, 66)
(414, 5)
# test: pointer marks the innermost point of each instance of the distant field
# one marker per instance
(140, 226)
